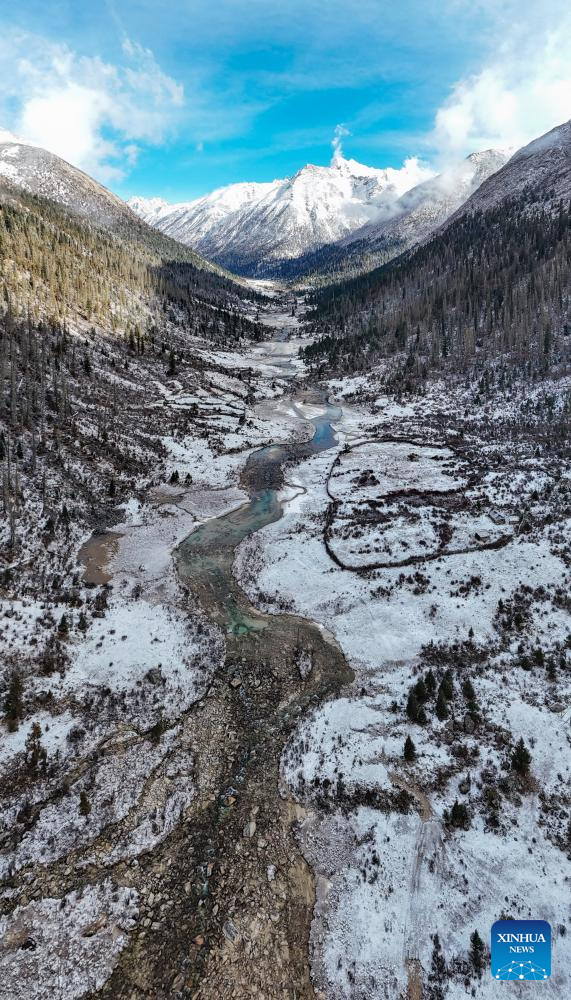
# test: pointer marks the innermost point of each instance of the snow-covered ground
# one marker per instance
(394, 869)
(98, 767)
(65, 947)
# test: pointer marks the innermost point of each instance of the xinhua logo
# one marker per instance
(521, 949)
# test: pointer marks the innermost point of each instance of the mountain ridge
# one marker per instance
(26, 166)
(252, 227)
(320, 217)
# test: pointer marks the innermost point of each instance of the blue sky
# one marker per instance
(176, 99)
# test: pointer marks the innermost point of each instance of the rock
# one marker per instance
(469, 724)
(235, 681)
(250, 829)
(230, 931)
(92, 929)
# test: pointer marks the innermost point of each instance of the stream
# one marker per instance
(205, 558)
(240, 891)
(257, 699)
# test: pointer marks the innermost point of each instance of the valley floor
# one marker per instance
(190, 812)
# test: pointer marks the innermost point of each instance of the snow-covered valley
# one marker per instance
(284, 590)
(413, 856)
(428, 522)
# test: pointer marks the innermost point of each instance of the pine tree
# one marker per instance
(409, 752)
(36, 754)
(420, 691)
(477, 952)
(468, 690)
(430, 682)
(447, 686)
(412, 706)
(521, 758)
(459, 816)
(14, 701)
(441, 706)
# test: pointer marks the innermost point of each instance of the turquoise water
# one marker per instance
(206, 556)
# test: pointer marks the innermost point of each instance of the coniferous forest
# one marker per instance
(495, 283)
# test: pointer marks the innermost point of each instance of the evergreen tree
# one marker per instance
(441, 706)
(409, 752)
(459, 816)
(477, 952)
(468, 690)
(412, 706)
(14, 701)
(430, 682)
(36, 754)
(420, 691)
(447, 686)
(521, 758)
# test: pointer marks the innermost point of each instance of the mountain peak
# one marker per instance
(252, 227)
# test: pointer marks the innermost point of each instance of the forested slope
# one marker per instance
(493, 282)
(58, 267)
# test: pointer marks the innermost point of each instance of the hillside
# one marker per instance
(494, 280)
(38, 172)
(56, 265)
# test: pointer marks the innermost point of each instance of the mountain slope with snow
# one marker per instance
(419, 211)
(39, 172)
(252, 228)
(42, 173)
(502, 259)
(542, 167)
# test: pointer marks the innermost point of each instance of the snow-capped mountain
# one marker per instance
(250, 228)
(422, 209)
(412, 218)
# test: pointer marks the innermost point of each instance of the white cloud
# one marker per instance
(90, 112)
(337, 142)
(523, 90)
